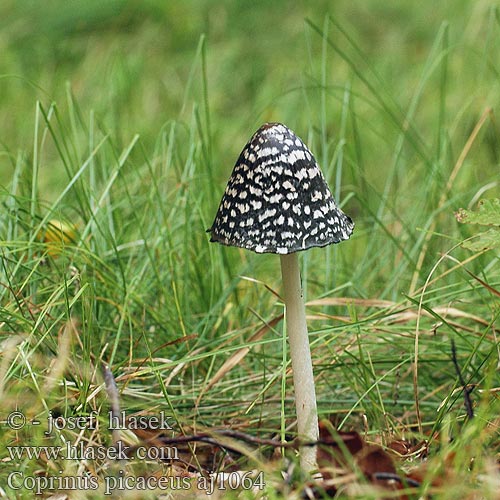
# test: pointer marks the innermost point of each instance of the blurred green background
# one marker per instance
(134, 63)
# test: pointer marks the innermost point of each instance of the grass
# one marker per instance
(126, 132)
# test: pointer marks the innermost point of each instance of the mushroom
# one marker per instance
(277, 201)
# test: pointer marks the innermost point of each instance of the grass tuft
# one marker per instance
(121, 137)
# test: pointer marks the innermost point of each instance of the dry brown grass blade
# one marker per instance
(8, 350)
(347, 301)
(67, 334)
(492, 290)
(445, 311)
(330, 317)
(236, 358)
(392, 318)
(265, 285)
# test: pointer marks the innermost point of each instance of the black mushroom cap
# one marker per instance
(277, 199)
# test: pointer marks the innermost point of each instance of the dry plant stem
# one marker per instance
(303, 379)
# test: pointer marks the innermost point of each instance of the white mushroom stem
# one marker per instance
(300, 352)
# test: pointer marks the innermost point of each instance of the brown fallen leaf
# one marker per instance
(344, 456)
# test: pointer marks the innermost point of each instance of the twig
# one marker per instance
(467, 390)
(114, 400)
(211, 438)
(390, 476)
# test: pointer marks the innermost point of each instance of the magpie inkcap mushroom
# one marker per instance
(277, 201)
